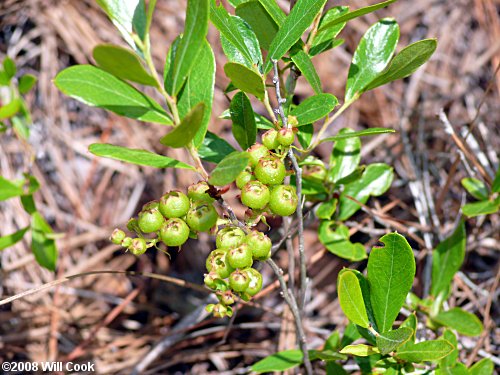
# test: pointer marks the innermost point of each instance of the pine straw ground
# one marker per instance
(122, 323)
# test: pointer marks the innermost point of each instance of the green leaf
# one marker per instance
(10, 189)
(360, 133)
(360, 350)
(411, 322)
(28, 203)
(345, 156)
(303, 62)
(95, 87)
(351, 299)
(305, 135)
(326, 209)
(229, 168)
(353, 176)
(21, 127)
(481, 208)
(336, 240)
(244, 127)
(12, 239)
(483, 367)
(246, 79)
(391, 340)
(372, 55)
(495, 188)
(461, 321)
(44, 248)
(375, 181)
(251, 42)
(451, 359)
(314, 108)
(10, 109)
(122, 63)
(199, 88)
(405, 62)
(274, 11)
(260, 21)
(324, 39)
(187, 129)
(430, 350)
(476, 188)
(214, 149)
(447, 259)
(227, 27)
(26, 83)
(354, 14)
(9, 67)
(4, 79)
(235, 3)
(298, 21)
(136, 156)
(280, 361)
(391, 270)
(195, 31)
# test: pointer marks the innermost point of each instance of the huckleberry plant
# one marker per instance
(274, 170)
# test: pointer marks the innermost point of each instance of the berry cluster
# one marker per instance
(230, 269)
(172, 219)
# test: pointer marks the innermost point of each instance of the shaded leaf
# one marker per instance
(187, 129)
(261, 22)
(391, 340)
(246, 79)
(136, 156)
(448, 362)
(251, 42)
(360, 133)
(314, 108)
(303, 62)
(305, 135)
(214, 148)
(13, 238)
(43, 247)
(372, 55)
(274, 11)
(345, 156)
(495, 187)
(122, 63)
(244, 127)
(324, 39)
(360, 350)
(461, 321)
(229, 168)
(391, 270)
(95, 87)
(26, 83)
(326, 209)
(411, 322)
(351, 299)
(430, 350)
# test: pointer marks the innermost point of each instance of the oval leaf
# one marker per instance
(323, 40)
(461, 321)
(351, 299)
(13, 238)
(214, 148)
(234, 54)
(260, 21)
(314, 108)
(391, 270)
(360, 350)
(244, 126)
(44, 248)
(337, 241)
(122, 63)
(481, 208)
(98, 88)
(136, 156)
(304, 63)
(360, 133)
(345, 156)
(280, 361)
(187, 129)
(245, 79)
(10, 189)
(483, 367)
(26, 83)
(476, 188)
(372, 55)
(431, 350)
(390, 341)
(229, 168)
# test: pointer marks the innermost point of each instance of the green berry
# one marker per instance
(285, 137)
(127, 241)
(150, 220)
(138, 246)
(174, 232)
(239, 281)
(117, 236)
(240, 257)
(270, 171)
(243, 178)
(201, 216)
(213, 254)
(270, 139)
(209, 279)
(257, 152)
(174, 204)
(255, 195)
(255, 284)
(230, 237)
(217, 262)
(199, 192)
(226, 298)
(219, 310)
(283, 200)
(260, 245)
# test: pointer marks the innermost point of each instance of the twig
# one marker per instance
(276, 81)
(292, 303)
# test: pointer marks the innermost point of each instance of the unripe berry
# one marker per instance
(260, 245)
(201, 216)
(219, 310)
(174, 232)
(240, 257)
(270, 171)
(199, 192)
(283, 200)
(230, 237)
(255, 195)
(239, 281)
(226, 298)
(117, 236)
(127, 241)
(257, 152)
(138, 246)
(243, 178)
(286, 136)
(210, 279)
(255, 284)
(150, 220)
(174, 204)
(217, 262)
(270, 139)
(213, 254)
